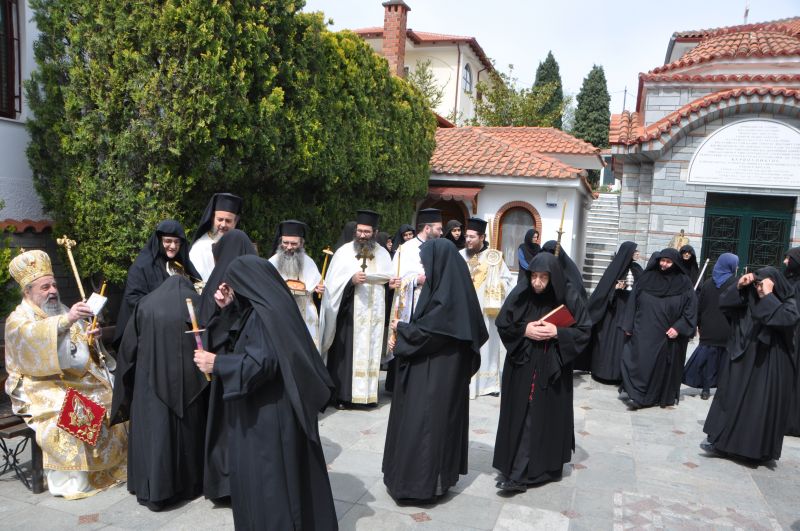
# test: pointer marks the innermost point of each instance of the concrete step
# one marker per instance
(603, 215)
(601, 247)
(601, 237)
(602, 225)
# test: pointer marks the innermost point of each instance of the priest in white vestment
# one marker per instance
(221, 215)
(352, 314)
(299, 271)
(493, 282)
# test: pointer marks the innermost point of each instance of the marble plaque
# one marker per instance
(756, 153)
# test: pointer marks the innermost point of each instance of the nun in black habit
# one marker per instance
(606, 310)
(792, 273)
(660, 317)
(217, 323)
(690, 264)
(438, 351)
(572, 274)
(751, 407)
(274, 384)
(159, 389)
(526, 251)
(454, 231)
(535, 433)
(152, 267)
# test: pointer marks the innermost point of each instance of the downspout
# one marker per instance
(458, 83)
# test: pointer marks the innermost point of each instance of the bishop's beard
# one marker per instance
(291, 265)
(367, 245)
(52, 306)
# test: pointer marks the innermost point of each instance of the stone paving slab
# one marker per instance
(631, 470)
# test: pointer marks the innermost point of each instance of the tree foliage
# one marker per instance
(503, 104)
(548, 73)
(143, 109)
(423, 79)
(593, 114)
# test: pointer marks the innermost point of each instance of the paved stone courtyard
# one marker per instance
(630, 470)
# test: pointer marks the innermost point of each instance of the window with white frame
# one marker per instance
(467, 79)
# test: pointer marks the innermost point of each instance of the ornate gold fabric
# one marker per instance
(37, 386)
(29, 266)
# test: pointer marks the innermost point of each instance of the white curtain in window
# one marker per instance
(513, 226)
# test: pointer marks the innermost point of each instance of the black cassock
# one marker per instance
(606, 309)
(437, 351)
(652, 364)
(793, 276)
(340, 353)
(158, 387)
(751, 407)
(219, 325)
(535, 433)
(274, 384)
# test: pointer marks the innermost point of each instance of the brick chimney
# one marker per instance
(395, 16)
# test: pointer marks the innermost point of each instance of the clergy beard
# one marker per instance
(290, 265)
(365, 245)
(52, 306)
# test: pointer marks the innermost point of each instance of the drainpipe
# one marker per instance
(458, 82)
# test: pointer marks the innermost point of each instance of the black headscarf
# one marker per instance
(528, 249)
(398, 240)
(157, 337)
(305, 378)
(571, 271)
(347, 235)
(452, 224)
(667, 283)
(793, 268)
(448, 304)
(149, 270)
(616, 270)
(230, 246)
(690, 265)
(382, 238)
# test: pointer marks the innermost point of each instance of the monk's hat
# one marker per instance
(477, 224)
(429, 215)
(367, 217)
(292, 227)
(29, 266)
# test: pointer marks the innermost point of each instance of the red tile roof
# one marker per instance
(727, 44)
(22, 225)
(478, 151)
(722, 78)
(541, 140)
(626, 128)
(423, 37)
(790, 25)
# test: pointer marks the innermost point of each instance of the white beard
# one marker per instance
(53, 307)
(291, 265)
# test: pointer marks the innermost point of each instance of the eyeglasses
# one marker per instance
(364, 232)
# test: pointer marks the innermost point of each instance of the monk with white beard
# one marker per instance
(299, 271)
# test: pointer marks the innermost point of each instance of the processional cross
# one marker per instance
(364, 256)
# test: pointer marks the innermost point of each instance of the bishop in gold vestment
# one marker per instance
(47, 352)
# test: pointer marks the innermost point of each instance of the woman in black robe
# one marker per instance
(751, 407)
(792, 273)
(158, 388)
(526, 251)
(274, 384)
(572, 274)
(606, 310)
(217, 323)
(149, 270)
(660, 318)
(438, 351)
(690, 263)
(347, 235)
(702, 368)
(403, 234)
(454, 231)
(535, 433)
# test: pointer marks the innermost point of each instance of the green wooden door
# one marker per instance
(755, 228)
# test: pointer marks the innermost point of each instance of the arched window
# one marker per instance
(511, 223)
(467, 79)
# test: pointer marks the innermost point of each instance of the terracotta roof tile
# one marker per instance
(721, 78)
(737, 44)
(791, 25)
(477, 151)
(626, 130)
(22, 225)
(541, 140)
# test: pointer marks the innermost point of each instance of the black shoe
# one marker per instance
(496, 393)
(512, 486)
(708, 447)
(705, 394)
(341, 405)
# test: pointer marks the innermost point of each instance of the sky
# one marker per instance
(626, 37)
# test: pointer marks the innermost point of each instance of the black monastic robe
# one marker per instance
(793, 277)
(437, 353)
(535, 432)
(749, 414)
(158, 387)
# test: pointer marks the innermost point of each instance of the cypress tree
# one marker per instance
(548, 73)
(593, 114)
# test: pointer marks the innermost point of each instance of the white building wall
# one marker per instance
(16, 178)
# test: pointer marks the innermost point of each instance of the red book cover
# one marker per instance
(560, 317)
(81, 416)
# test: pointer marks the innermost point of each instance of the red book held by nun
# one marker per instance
(560, 317)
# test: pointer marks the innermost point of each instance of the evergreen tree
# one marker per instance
(503, 104)
(177, 99)
(425, 81)
(547, 73)
(593, 114)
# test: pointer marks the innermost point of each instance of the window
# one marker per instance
(467, 79)
(10, 80)
(514, 223)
